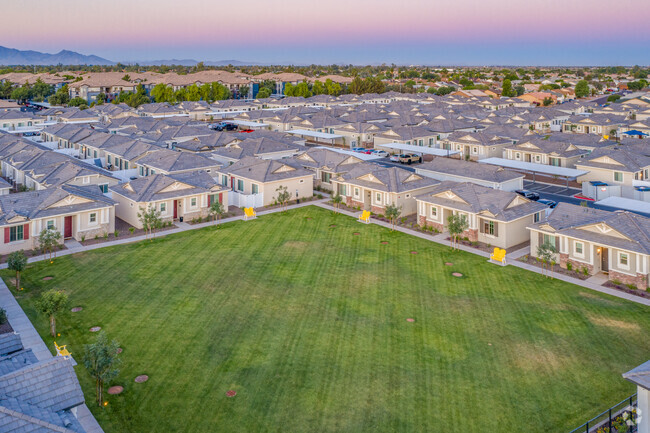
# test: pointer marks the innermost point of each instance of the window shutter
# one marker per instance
(496, 228)
(26, 231)
(7, 235)
(481, 225)
(541, 238)
(557, 244)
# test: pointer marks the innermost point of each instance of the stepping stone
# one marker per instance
(114, 390)
(384, 242)
(47, 278)
(414, 252)
(119, 350)
(231, 393)
(309, 218)
(457, 274)
(332, 225)
(142, 378)
(356, 233)
(410, 320)
(95, 328)
(449, 264)
(76, 309)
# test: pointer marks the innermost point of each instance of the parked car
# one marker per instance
(408, 158)
(223, 125)
(248, 131)
(530, 195)
(381, 153)
(394, 158)
(358, 149)
(549, 203)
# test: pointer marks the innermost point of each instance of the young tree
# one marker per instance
(263, 93)
(336, 201)
(50, 304)
(102, 362)
(506, 88)
(48, 240)
(392, 213)
(150, 220)
(546, 253)
(217, 210)
(17, 262)
(283, 196)
(456, 224)
(582, 89)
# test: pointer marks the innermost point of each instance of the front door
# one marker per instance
(67, 227)
(604, 260)
(175, 209)
(367, 202)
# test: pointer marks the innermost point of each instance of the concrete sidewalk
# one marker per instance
(511, 258)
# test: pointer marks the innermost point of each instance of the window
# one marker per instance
(488, 228)
(302, 181)
(193, 202)
(16, 233)
(255, 188)
(618, 176)
(103, 188)
(94, 154)
(356, 192)
(434, 211)
(93, 218)
(126, 165)
(475, 150)
(421, 143)
(163, 207)
(378, 197)
(623, 260)
(517, 155)
(430, 142)
(549, 239)
(86, 179)
(50, 224)
(240, 185)
(325, 177)
(224, 180)
(578, 248)
(109, 159)
(537, 217)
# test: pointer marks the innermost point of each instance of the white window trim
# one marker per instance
(620, 264)
(90, 222)
(575, 250)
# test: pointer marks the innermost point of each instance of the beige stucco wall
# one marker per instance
(604, 175)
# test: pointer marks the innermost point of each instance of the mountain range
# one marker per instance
(11, 57)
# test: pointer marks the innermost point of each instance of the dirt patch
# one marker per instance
(531, 358)
(142, 378)
(611, 323)
(299, 245)
(6, 328)
(47, 278)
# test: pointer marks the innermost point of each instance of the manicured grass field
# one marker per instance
(308, 323)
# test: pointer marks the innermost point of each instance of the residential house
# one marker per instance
(326, 164)
(182, 196)
(456, 170)
(494, 217)
(540, 150)
(594, 240)
(373, 187)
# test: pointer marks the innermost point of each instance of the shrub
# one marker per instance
(585, 271)
(96, 236)
(105, 235)
(132, 230)
(319, 196)
(617, 282)
(631, 286)
(402, 220)
(569, 266)
(3, 316)
(116, 233)
(83, 238)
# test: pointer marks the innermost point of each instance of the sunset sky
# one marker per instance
(468, 32)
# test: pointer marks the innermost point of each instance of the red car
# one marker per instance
(246, 130)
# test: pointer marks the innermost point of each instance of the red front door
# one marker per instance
(67, 227)
(175, 209)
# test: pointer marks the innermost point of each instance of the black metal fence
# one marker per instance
(605, 421)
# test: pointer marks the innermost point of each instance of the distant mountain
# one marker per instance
(192, 62)
(10, 56)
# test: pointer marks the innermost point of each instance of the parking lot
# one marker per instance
(545, 188)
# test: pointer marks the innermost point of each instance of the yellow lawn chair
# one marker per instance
(249, 213)
(499, 255)
(61, 350)
(365, 217)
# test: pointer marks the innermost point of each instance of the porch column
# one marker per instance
(640, 376)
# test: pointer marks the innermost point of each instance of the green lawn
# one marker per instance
(308, 324)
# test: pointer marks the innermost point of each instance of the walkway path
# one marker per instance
(511, 258)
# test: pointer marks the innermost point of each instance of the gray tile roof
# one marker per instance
(477, 199)
(639, 375)
(264, 170)
(388, 179)
(16, 361)
(50, 384)
(149, 188)
(470, 170)
(10, 342)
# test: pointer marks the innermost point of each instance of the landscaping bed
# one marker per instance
(556, 269)
(627, 289)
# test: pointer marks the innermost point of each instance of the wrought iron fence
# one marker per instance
(605, 421)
